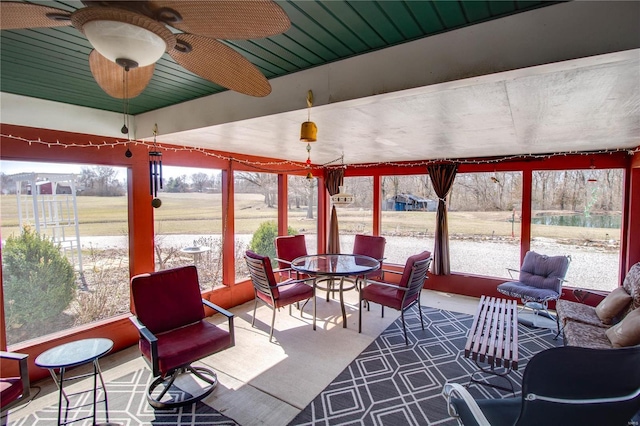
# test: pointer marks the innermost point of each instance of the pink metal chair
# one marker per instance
(399, 296)
(170, 317)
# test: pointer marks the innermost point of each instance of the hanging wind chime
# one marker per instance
(309, 132)
(125, 109)
(155, 171)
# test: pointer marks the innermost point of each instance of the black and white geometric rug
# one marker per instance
(393, 384)
(128, 406)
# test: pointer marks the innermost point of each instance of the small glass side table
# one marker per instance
(70, 355)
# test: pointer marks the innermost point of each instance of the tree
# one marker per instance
(267, 183)
(7, 184)
(177, 184)
(39, 283)
(200, 182)
(100, 181)
(263, 239)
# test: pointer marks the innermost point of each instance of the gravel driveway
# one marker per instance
(590, 267)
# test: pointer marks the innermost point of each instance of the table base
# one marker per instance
(60, 379)
(491, 371)
(330, 288)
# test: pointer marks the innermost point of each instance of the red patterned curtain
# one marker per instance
(442, 177)
(333, 179)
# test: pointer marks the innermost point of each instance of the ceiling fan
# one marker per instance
(133, 35)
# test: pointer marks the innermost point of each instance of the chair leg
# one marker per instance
(163, 384)
(382, 310)
(273, 321)
(360, 312)
(314, 308)
(404, 328)
(420, 310)
(255, 305)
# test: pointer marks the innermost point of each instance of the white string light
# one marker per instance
(264, 165)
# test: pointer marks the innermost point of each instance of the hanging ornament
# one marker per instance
(125, 110)
(309, 132)
(342, 198)
(155, 171)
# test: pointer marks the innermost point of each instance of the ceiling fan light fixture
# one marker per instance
(116, 40)
(124, 35)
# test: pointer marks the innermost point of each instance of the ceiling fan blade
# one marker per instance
(220, 64)
(15, 15)
(229, 20)
(110, 77)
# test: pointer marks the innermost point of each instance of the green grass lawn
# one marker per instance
(201, 213)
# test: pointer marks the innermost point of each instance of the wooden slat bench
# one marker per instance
(493, 339)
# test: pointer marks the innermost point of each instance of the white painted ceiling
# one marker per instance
(577, 105)
(562, 78)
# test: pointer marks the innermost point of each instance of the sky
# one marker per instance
(13, 167)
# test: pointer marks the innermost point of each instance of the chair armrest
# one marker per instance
(394, 286)
(283, 261)
(389, 271)
(23, 369)
(451, 388)
(147, 335)
(587, 296)
(13, 356)
(289, 282)
(512, 271)
(227, 314)
(217, 308)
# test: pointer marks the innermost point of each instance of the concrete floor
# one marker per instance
(263, 383)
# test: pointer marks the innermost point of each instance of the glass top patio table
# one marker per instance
(334, 266)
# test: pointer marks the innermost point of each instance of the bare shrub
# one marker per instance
(107, 286)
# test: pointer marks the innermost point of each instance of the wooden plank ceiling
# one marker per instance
(52, 63)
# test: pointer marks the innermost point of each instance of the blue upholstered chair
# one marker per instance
(540, 280)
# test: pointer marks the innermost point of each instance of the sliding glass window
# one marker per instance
(578, 213)
(303, 209)
(408, 216)
(65, 253)
(357, 217)
(256, 216)
(484, 223)
(188, 224)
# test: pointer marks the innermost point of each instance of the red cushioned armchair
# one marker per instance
(13, 390)
(288, 248)
(372, 246)
(170, 317)
(399, 296)
(276, 295)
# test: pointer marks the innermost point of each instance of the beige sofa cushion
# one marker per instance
(575, 311)
(585, 335)
(612, 305)
(626, 332)
(632, 285)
